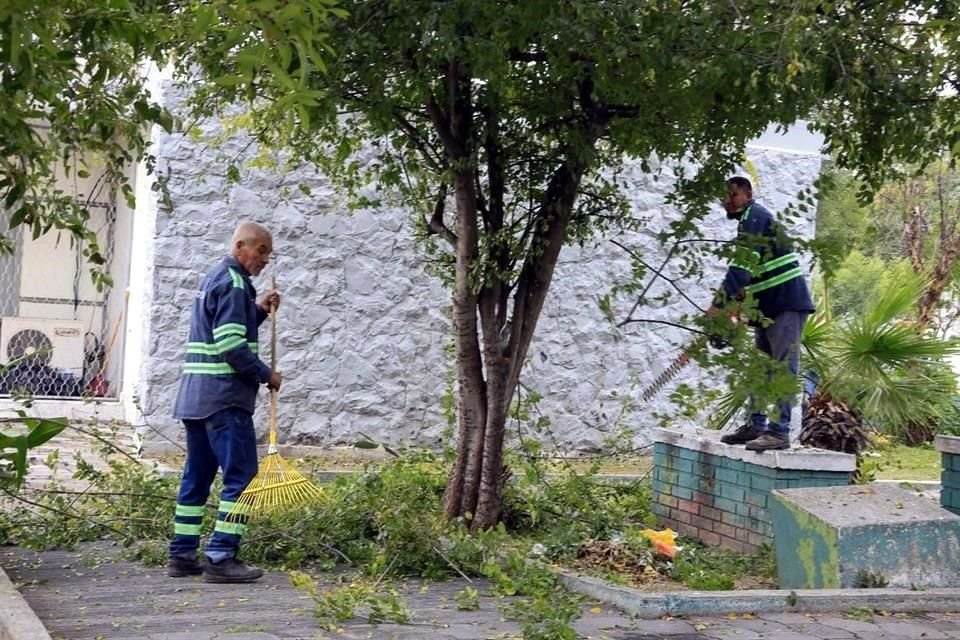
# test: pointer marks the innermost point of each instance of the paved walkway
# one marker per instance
(86, 595)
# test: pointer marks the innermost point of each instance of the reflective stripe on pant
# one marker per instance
(780, 341)
(226, 440)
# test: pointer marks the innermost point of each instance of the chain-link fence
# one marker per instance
(57, 332)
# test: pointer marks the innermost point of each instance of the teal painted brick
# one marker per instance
(725, 504)
(683, 493)
(762, 472)
(685, 466)
(688, 454)
(725, 475)
(955, 462)
(659, 486)
(950, 478)
(736, 465)
(948, 498)
(761, 483)
(689, 481)
(757, 498)
(732, 491)
(732, 519)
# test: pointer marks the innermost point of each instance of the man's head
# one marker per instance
(739, 195)
(251, 245)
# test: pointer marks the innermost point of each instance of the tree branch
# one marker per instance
(436, 225)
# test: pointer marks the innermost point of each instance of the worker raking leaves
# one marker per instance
(218, 390)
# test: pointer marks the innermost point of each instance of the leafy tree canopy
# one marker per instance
(73, 93)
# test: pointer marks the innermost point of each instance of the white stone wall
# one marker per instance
(362, 328)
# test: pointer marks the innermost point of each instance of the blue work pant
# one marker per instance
(226, 440)
(781, 341)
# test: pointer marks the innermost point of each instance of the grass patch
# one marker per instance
(900, 462)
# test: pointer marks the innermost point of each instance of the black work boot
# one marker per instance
(769, 441)
(230, 570)
(181, 567)
(742, 435)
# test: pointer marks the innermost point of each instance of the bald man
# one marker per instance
(218, 389)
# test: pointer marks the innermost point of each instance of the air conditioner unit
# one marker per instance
(59, 342)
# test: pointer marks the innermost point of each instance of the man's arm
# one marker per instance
(230, 336)
(749, 237)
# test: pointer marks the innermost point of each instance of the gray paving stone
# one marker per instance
(911, 629)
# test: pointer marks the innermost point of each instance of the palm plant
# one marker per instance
(875, 369)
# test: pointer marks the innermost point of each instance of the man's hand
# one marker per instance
(713, 311)
(274, 381)
(272, 299)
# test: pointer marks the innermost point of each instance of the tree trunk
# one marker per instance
(460, 498)
(484, 403)
(487, 378)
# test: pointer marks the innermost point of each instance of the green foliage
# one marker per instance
(859, 280)
(334, 605)
(715, 569)
(14, 446)
(468, 599)
(879, 364)
(75, 96)
(545, 610)
(869, 580)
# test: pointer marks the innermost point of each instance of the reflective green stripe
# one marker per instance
(236, 277)
(230, 342)
(228, 329)
(186, 529)
(236, 528)
(746, 214)
(192, 512)
(208, 368)
(741, 266)
(778, 262)
(772, 282)
(202, 348)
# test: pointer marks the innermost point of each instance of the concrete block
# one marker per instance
(830, 537)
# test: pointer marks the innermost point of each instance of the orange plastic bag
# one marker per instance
(664, 542)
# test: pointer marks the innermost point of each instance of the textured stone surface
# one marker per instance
(363, 327)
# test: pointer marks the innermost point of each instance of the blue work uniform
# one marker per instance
(768, 271)
(218, 388)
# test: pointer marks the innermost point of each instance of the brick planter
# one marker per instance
(721, 494)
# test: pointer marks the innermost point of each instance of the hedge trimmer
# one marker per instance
(681, 361)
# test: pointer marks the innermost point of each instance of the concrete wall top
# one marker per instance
(802, 459)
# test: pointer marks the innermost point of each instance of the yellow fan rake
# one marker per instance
(277, 485)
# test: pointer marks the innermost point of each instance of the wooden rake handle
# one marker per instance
(273, 368)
